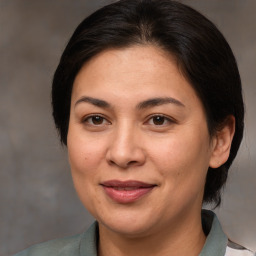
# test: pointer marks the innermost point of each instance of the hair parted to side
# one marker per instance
(202, 53)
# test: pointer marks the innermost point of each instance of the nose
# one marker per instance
(126, 149)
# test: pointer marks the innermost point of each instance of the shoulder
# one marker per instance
(64, 246)
(217, 243)
(82, 244)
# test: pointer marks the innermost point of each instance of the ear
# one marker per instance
(222, 143)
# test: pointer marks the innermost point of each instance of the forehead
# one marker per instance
(131, 62)
(138, 71)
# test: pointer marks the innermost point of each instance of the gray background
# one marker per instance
(37, 199)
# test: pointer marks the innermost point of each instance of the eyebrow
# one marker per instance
(94, 101)
(158, 102)
(153, 102)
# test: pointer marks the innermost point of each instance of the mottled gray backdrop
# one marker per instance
(37, 199)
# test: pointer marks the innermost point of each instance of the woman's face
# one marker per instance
(138, 142)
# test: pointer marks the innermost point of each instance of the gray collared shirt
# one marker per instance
(85, 244)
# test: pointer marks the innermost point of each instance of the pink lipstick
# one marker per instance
(126, 191)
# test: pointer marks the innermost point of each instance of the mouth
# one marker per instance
(126, 191)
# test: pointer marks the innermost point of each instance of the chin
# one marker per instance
(127, 229)
(127, 224)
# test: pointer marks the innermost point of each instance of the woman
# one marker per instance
(147, 98)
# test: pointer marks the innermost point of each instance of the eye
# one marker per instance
(159, 120)
(95, 120)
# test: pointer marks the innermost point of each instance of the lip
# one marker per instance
(126, 191)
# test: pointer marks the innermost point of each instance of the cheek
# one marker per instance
(85, 153)
(183, 157)
(85, 159)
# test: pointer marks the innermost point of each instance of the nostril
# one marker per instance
(112, 162)
(132, 162)
(124, 164)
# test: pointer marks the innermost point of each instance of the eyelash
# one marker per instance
(87, 118)
(166, 120)
(104, 121)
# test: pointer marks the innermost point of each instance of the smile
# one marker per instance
(126, 191)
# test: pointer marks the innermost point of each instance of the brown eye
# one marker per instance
(95, 120)
(158, 120)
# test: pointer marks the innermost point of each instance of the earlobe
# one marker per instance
(222, 143)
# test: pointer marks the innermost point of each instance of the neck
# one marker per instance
(187, 238)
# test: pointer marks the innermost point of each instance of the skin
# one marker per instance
(123, 141)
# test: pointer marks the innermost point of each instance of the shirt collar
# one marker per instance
(89, 241)
(216, 241)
